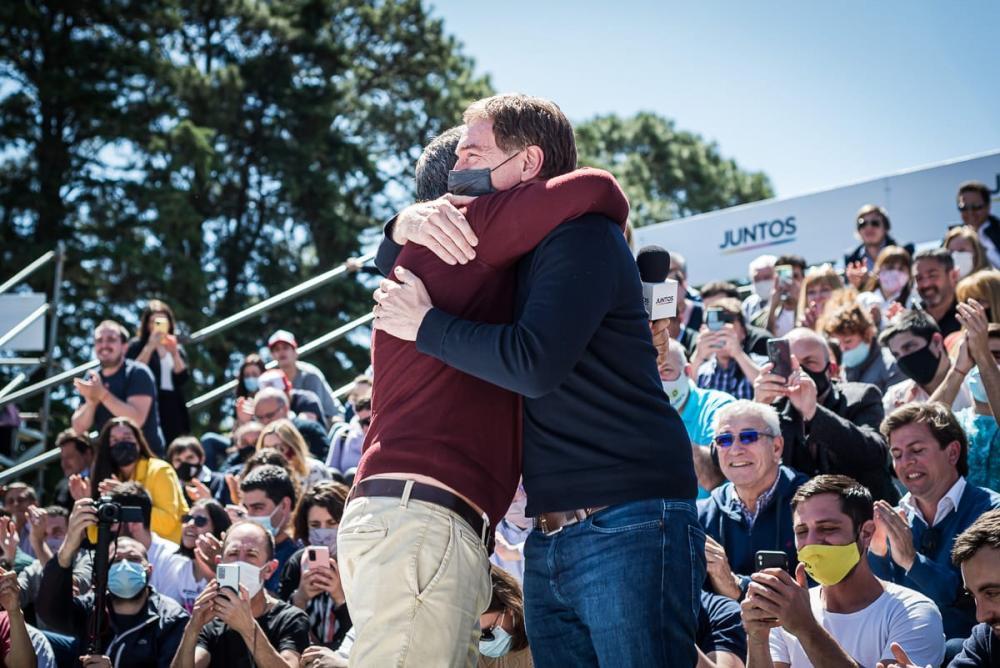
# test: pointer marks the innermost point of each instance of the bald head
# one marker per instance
(809, 348)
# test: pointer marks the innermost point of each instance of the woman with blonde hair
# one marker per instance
(817, 287)
(984, 287)
(966, 250)
(286, 439)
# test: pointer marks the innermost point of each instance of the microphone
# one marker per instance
(659, 294)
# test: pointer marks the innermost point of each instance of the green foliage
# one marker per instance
(214, 153)
(667, 173)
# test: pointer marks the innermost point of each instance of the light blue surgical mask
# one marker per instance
(499, 646)
(266, 521)
(126, 579)
(976, 386)
(856, 355)
(252, 383)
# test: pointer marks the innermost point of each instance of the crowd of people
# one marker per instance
(847, 507)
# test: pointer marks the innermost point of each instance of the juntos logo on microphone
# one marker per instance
(761, 235)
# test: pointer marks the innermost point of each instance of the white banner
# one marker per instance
(820, 227)
(15, 308)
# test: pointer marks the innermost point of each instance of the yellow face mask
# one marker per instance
(829, 564)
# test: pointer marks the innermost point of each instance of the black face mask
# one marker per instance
(820, 378)
(920, 365)
(187, 472)
(124, 453)
(473, 182)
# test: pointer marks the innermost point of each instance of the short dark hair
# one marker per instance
(364, 403)
(81, 441)
(855, 499)
(56, 511)
(716, 288)
(943, 425)
(794, 260)
(940, 255)
(273, 480)
(914, 321)
(183, 444)
(327, 494)
(434, 163)
(131, 493)
(520, 121)
(975, 187)
(984, 532)
(268, 538)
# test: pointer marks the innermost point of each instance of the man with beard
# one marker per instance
(123, 388)
(935, 277)
(143, 628)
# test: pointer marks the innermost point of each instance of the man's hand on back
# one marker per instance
(440, 227)
(401, 307)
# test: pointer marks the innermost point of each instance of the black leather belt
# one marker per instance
(394, 488)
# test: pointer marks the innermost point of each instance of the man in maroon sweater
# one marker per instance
(443, 453)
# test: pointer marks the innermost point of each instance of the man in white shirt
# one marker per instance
(918, 346)
(852, 618)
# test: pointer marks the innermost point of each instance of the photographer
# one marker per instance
(142, 627)
(246, 629)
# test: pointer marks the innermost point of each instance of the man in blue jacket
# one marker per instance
(912, 543)
(751, 511)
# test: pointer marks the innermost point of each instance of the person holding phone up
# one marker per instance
(720, 361)
(245, 628)
(157, 348)
(311, 579)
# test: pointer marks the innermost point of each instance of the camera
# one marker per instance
(109, 512)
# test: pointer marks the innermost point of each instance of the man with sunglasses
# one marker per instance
(750, 511)
(912, 543)
(872, 225)
(974, 207)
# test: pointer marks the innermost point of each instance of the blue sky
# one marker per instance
(815, 94)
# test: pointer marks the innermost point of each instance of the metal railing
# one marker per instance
(314, 345)
(24, 324)
(10, 394)
(201, 334)
(27, 271)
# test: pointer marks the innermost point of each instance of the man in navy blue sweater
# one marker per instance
(615, 566)
(912, 544)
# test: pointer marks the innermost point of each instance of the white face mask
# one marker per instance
(963, 262)
(250, 577)
(763, 289)
(677, 390)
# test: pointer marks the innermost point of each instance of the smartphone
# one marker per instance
(779, 353)
(228, 575)
(161, 325)
(317, 556)
(713, 319)
(785, 274)
(771, 559)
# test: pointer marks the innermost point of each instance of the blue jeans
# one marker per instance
(621, 588)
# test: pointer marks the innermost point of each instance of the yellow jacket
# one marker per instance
(160, 480)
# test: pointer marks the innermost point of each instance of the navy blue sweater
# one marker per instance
(721, 518)
(933, 574)
(598, 429)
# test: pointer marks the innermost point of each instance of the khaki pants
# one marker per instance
(416, 579)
